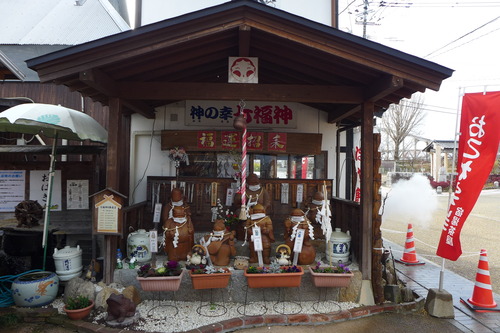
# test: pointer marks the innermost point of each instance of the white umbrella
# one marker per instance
(55, 122)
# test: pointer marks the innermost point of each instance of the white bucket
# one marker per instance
(68, 262)
(338, 247)
(138, 245)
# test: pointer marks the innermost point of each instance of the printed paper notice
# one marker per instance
(77, 194)
(12, 184)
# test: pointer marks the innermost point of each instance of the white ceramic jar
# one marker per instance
(68, 262)
(35, 289)
(138, 245)
(339, 247)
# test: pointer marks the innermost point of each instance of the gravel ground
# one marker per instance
(154, 316)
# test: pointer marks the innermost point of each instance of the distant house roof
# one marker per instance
(34, 28)
(446, 146)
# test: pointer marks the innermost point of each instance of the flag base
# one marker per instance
(408, 263)
(478, 308)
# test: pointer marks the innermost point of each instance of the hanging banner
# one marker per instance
(477, 150)
(357, 165)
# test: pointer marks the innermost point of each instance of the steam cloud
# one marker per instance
(411, 201)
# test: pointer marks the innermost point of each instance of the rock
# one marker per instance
(102, 297)
(132, 294)
(351, 293)
(77, 286)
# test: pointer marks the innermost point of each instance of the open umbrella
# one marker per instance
(55, 122)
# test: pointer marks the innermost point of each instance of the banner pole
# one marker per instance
(450, 188)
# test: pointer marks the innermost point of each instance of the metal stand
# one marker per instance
(212, 309)
(326, 306)
(295, 307)
(246, 308)
(150, 313)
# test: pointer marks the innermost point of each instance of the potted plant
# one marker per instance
(274, 276)
(331, 276)
(164, 278)
(78, 307)
(209, 277)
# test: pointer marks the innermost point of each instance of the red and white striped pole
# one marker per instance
(240, 123)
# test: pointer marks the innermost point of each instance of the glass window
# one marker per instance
(282, 167)
(227, 165)
(264, 166)
(200, 165)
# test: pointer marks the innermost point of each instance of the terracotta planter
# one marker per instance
(274, 280)
(79, 313)
(337, 280)
(161, 283)
(210, 281)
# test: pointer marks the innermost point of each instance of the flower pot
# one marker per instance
(79, 313)
(35, 289)
(337, 280)
(274, 280)
(210, 281)
(161, 283)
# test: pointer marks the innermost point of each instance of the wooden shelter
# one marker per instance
(186, 57)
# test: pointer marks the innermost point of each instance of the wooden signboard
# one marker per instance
(107, 217)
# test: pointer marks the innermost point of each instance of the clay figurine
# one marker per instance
(178, 235)
(313, 208)
(197, 257)
(256, 194)
(298, 220)
(220, 244)
(283, 253)
(119, 308)
(258, 218)
(176, 200)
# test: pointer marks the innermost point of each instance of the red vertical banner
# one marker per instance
(477, 150)
(230, 140)
(255, 141)
(357, 164)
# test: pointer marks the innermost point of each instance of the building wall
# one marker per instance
(147, 158)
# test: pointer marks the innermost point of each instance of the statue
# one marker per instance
(256, 194)
(298, 220)
(283, 254)
(119, 308)
(220, 244)
(178, 234)
(197, 257)
(312, 212)
(258, 218)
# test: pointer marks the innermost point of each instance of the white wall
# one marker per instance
(158, 10)
(147, 159)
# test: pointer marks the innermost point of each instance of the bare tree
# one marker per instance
(400, 121)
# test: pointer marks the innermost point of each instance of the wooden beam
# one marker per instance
(235, 91)
(244, 41)
(343, 112)
(101, 82)
(383, 87)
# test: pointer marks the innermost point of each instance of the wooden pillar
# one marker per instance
(377, 268)
(113, 166)
(366, 294)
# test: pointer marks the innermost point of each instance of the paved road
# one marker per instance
(481, 231)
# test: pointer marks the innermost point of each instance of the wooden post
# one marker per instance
(378, 290)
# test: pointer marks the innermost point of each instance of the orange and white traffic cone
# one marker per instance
(482, 296)
(410, 254)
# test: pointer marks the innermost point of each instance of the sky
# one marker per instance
(462, 35)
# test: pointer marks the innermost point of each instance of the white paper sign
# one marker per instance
(153, 241)
(257, 239)
(157, 213)
(12, 184)
(229, 197)
(300, 193)
(284, 193)
(299, 240)
(39, 184)
(77, 194)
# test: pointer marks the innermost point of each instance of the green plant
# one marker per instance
(207, 269)
(170, 268)
(341, 268)
(78, 302)
(273, 268)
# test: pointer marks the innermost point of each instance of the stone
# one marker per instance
(77, 286)
(120, 308)
(439, 304)
(103, 295)
(132, 293)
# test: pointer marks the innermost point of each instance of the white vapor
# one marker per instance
(411, 201)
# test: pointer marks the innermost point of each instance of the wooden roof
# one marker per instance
(187, 58)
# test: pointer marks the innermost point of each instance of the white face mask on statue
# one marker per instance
(254, 187)
(257, 216)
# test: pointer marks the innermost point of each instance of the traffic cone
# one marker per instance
(410, 255)
(482, 296)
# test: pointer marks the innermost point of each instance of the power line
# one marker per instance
(451, 4)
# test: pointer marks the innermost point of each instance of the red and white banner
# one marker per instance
(477, 151)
